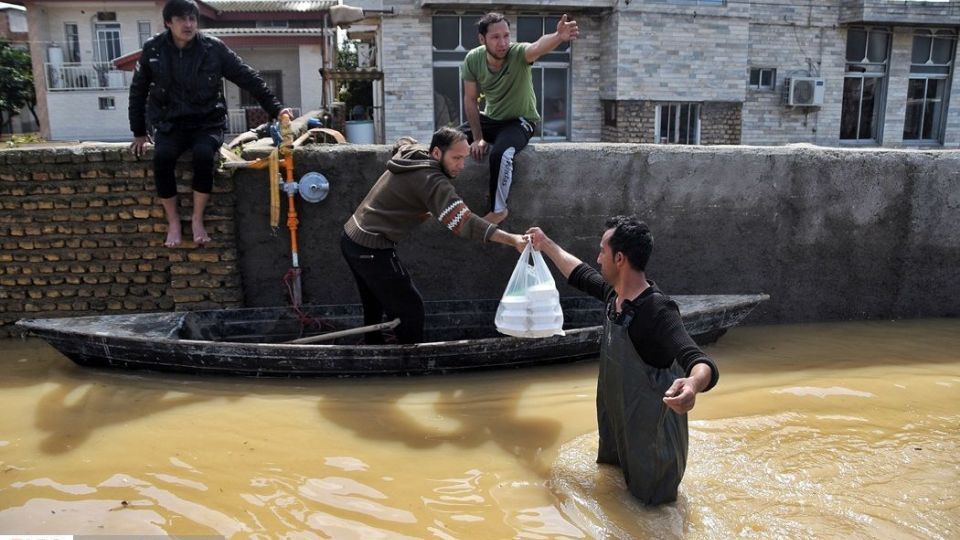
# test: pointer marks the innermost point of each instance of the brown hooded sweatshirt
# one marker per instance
(413, 186)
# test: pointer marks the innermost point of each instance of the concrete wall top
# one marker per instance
(830, 233)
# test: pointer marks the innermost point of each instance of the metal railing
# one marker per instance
(86, 76)
(237, 120)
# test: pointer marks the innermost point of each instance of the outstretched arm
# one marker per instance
(566, 31)
(682, 394)
(565, 262)
(519, 242)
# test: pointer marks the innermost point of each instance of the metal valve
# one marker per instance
(314, 187)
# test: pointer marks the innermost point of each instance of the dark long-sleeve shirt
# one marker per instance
(656, 330)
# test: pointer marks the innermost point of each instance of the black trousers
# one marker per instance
(507, 137)
(170, 145)
(385, 287)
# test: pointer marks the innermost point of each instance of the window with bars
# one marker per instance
(864, 84)
(107, 41)
(678, 123)
(455, 35)
(928, 92)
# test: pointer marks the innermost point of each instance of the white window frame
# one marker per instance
(676, 114)
(141, 35)
(760, 71)
(882, 77)
(71, 41)
(916, 73)
(102, 40)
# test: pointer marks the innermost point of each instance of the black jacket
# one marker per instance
(183, 88)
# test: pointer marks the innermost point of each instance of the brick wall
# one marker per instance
(81, 232)
(636, 122)
(720, 123)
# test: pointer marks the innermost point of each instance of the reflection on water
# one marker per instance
(832, 430)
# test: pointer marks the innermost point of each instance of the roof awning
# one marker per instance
(268, 6)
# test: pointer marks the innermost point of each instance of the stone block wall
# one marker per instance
(635, 122)
(81, 233)
(720, 122)
(680, 56)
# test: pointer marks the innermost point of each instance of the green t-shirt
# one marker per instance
(508, 92)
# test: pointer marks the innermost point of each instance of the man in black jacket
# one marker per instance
(650, 369)
(178, 88)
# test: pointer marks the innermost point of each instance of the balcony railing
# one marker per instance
(86, 76)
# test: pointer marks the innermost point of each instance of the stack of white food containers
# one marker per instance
(531, 305)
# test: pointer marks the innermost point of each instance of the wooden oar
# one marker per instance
(350, 332)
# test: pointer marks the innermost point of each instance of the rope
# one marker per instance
(274, 178)
(306, 321)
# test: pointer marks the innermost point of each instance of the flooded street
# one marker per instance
(845, 430)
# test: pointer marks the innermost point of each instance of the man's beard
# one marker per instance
(495, 57)
(443, 167)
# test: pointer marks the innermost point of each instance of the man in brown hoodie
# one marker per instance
(415, 186)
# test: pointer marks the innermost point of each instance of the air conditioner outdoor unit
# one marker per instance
(805, 91)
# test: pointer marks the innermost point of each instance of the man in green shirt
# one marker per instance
(500, 71)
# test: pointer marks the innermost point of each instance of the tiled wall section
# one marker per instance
(636, 122)
(81, 232)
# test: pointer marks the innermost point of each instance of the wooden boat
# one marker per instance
(255, 341)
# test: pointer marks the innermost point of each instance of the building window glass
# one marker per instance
(273, 80)
(763, 78)
(107, 41)
(678, 123)
(864, 84)
(107, 104)
(455, 35)
(931, 66)
(610, 113)
(71, 36)
(143, 31)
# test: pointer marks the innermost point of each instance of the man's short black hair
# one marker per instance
(633, 238)
(488, 19)
(179, 8)
(445, 137)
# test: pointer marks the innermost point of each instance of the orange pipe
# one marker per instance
(292, 221)
(286, 148)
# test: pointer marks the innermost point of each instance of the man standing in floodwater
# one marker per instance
(415, 186)
(500, 71)
(181, 71)
(650, 369)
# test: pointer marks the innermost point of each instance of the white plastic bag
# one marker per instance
(530, 306)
